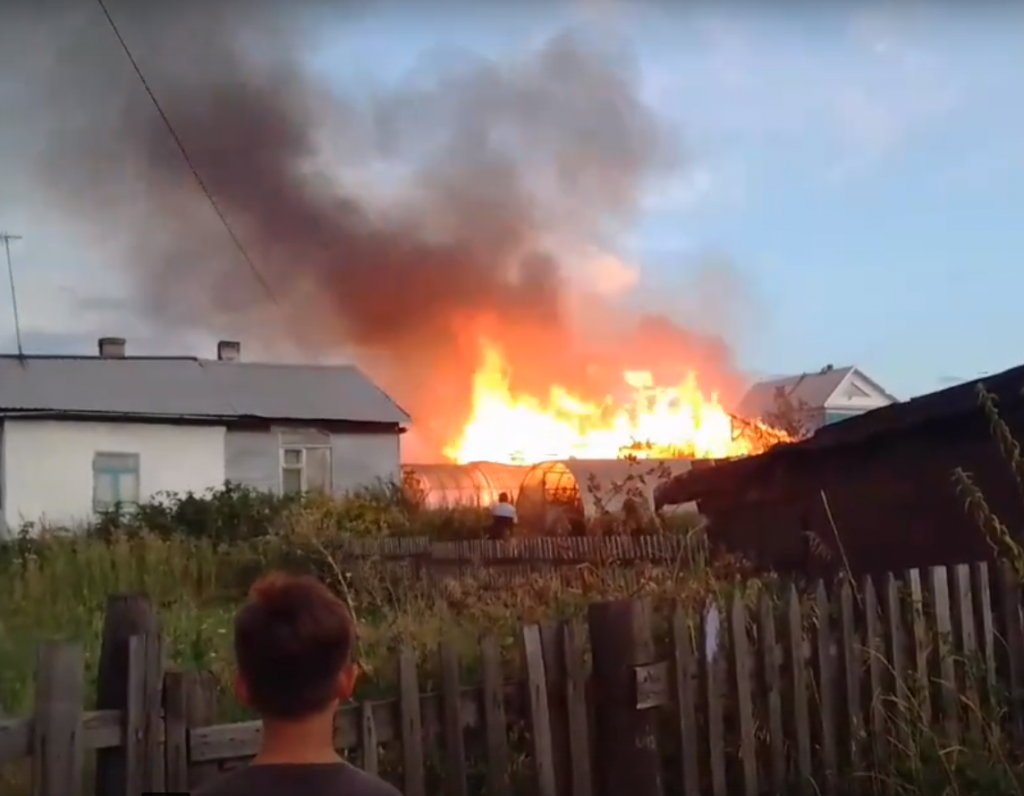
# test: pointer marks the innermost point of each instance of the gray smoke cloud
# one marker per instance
(499, 163)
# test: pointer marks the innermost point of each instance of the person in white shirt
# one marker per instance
(503, 517)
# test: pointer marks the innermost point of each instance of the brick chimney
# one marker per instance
(229, 350)
(112, 347)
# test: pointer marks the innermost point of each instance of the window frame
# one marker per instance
(134, 470)
(302, 443)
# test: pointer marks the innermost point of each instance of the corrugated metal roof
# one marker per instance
(812, 389)
(188, 387)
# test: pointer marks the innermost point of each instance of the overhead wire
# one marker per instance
(184, 154)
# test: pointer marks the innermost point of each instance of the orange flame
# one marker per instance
(660, 422)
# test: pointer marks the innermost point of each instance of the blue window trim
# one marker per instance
(118, 473)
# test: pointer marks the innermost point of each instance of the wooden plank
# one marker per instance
(540, 718)
(771, 668)
(412, 725)
(175, 732)
(573, 646)
(127, 615)
(621, 639)
(896, 652)
(368, 740)
(495, 723)
(919, 631)
(135, 719)
(851, 659)
(982, 593)
(742, 666)
(826, 680)
(57, 749)
(454, 740)
(875, 648)
(716, 668)
(967, 657)
(551, 638)
(101, 729)
(201, 710)
(152, 710)
(1013, 648)
(686, 679)
(797, 668)
(938, 583)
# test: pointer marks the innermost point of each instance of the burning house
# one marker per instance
(875, 493)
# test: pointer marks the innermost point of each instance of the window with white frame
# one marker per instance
(305, 462)
(115, 480)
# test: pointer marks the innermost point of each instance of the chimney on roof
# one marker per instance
(229, 350)
(112, 347)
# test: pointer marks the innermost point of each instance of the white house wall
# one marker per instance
(253, 458)
(48, 473)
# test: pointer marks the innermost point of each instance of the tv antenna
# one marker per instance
(7, 237)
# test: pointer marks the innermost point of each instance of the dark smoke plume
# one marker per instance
(501, 163)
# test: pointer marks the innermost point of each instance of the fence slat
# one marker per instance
(576, 709)
(175, 733)
(494, 717)
(920, 646)
(57, 749)
(798, 689)
(540, 718)
(938, 589)
(716, 667)
(621, 639)
(454, 740)
(412, 725)
(686, 674)
(826, 684)
(744, 694)
(551, 638)
(127, 616)
(875, 649)
(851, 660)
(771, 663)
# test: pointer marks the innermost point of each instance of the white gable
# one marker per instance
(858, 393)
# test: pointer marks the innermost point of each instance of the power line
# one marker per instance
(7, 238)
(184, 153)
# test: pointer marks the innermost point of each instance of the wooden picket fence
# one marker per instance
(788, 690)
(564, 550)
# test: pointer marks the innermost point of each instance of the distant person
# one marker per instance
(293, 648)
(503, 517)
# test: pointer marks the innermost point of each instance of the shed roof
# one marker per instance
(957, 401)
(188, 387)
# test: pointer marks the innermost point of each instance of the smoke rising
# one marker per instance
(397, 224)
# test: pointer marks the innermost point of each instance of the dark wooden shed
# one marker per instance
(875, 492)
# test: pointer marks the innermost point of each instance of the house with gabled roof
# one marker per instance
(81, 434)
(817, 399)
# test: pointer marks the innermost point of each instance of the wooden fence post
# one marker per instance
(200, 711)
(57, 750)
(127, 615)
(626, 742)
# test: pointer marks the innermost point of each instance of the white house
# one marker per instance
(78, 434)
(828, 396)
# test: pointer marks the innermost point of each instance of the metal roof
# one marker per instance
(195, 388)
(811, 389)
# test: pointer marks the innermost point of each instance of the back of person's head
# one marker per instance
(293, 646)
(503, 497)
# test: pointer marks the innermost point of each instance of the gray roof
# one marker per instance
(182, 387)
(812, 389)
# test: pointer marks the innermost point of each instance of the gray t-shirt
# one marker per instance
(305, 779)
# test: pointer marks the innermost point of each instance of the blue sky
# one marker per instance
(859, 166)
